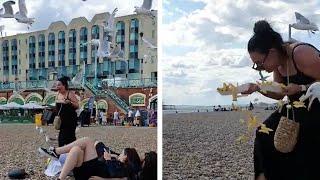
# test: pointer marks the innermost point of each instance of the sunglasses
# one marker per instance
(259, 65)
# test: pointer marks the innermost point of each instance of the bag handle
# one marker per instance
(59, 110)
(60, 105)
(288, 81)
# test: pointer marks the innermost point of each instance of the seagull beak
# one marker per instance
(305, 97)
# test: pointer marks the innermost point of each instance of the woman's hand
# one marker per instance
(107, 156)
(252, 88)
(67, 101)
(292, 89)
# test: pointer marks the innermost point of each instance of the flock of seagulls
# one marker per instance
(105, 48)
(21, 16)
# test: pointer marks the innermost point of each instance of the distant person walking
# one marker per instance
(130, 116)
(251, 106)
(137, 118)
(115, 117)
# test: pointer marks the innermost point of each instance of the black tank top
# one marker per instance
(67, 114)
(300, 78)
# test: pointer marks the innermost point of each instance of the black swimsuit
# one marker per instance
(302, 162)
(68, 126)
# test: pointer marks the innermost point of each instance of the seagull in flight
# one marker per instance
(304, 24)
(102, 44)
(148, 43)
(8, 11)
(145, 8)
(21, 15)
(109, 26)
(116, 53)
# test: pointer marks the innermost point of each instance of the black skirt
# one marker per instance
(302, 162)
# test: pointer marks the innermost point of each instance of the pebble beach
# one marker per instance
(19, 144)
(203, 145)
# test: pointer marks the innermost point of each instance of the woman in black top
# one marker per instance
(66, 105)
(268, 52)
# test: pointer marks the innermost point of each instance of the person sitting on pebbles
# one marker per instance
(84, 160)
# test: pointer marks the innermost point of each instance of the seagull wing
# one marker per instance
(147, 4)
(111, 19)
(8, 7)
(23, 8)
(77, 79)
(149, 44)
(105, 47)
(1, 11)
(301, 19)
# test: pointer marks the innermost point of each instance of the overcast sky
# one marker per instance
(47, 11)
(206, 40)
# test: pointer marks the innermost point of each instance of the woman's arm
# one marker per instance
(272, 95)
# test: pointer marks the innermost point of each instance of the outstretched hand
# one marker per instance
(107, 156)
(252, 88)
(292, 89)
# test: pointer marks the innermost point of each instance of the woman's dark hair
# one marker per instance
(149, 169)
(64, 81)
(133, 162)
(265, 38)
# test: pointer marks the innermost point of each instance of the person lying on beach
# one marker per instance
(83, 159)
(149, 168)
(297, 63)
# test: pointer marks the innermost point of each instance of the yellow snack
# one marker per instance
(264, 129)
(298, 104)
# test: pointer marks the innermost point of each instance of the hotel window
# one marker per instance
(94, 35)
(32, 58)
(134, 63)
(14, 57)
(83, 49)
(72, 47)
(41, 50)
(95, 32)
(5, 57)
(51, 50)
(61, 48)
(120, 34)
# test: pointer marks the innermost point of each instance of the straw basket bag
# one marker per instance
(57, 120)
(286, 135)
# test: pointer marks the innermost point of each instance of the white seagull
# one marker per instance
(109, 26)
(21, 15)
(77, 79)
(313, 93)
(145, 8)
(304, 24)
(116, 53)
(103, 46)
(8, 11)
(148, 43)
